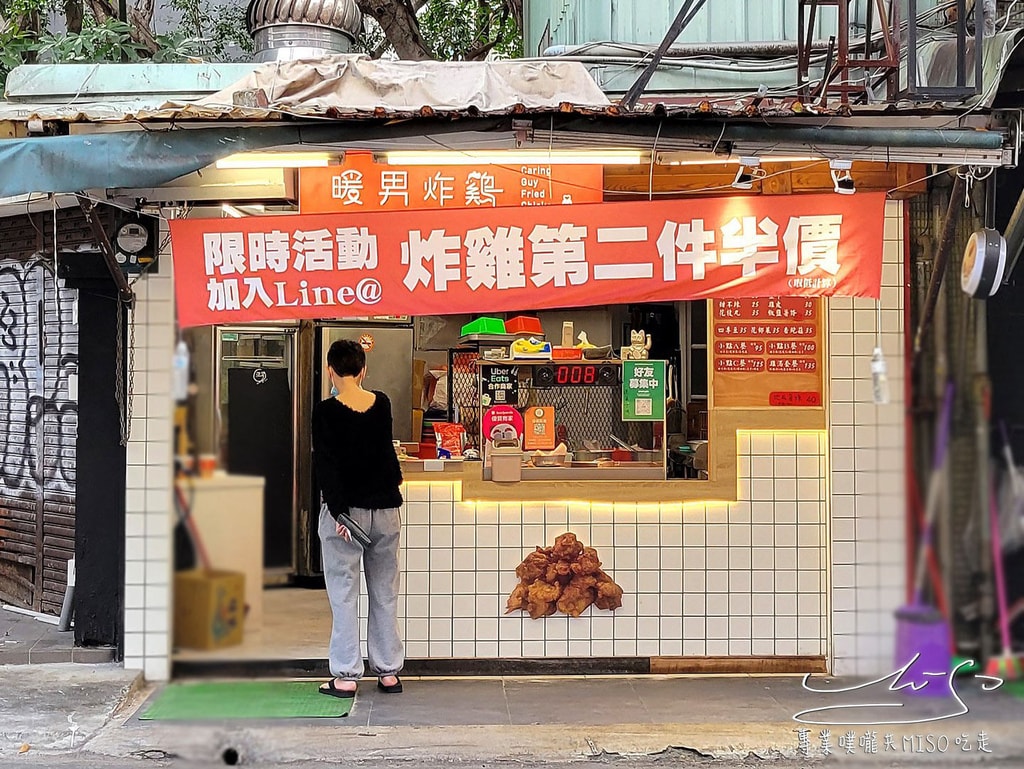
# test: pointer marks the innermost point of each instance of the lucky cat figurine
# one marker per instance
(639, 346)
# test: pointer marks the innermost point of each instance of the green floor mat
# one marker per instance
(208, 701)
(1016, 688)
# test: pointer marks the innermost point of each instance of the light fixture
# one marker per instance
(277, 160)
(687, 158)
(749, 171)
(842, 180)
(610, 157)
(984, 263)
(238, 211)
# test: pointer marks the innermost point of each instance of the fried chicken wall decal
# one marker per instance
(566, 577)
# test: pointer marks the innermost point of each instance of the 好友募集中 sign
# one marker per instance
(504, 259)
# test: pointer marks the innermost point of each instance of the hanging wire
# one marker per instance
(56, 284)
(654, 156)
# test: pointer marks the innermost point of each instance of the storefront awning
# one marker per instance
(141, 159)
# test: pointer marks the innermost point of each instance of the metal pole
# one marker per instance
(123, 289)
(961, 42)
(911, 45)
(682, 19)
(941, 258)
(982, 392)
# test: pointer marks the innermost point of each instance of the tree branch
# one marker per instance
(138, 27)
(398, 20)
(145, 9)
(73, 14)
(515, 8)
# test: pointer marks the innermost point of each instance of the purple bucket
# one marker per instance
(922, 631)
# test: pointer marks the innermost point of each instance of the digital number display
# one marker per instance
(576, 375)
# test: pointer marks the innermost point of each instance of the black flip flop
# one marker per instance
(332, 690)
(395, 688)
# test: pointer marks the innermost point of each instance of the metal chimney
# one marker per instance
(303, 29)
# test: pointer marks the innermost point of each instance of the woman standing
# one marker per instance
(360, 478)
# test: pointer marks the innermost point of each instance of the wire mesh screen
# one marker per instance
(463, 394)
(587, 412)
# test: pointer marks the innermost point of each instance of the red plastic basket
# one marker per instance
(524, 324)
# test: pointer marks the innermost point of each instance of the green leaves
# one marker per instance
(109, 41)
(458, 30)
(470, 29)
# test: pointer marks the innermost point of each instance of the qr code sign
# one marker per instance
(644, 407)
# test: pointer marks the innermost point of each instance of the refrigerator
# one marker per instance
(255, 371)
(388, 366)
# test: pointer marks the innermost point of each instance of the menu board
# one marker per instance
(767, 352)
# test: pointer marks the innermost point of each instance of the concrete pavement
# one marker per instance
(548, 720)
(25, 640)
(55, 708)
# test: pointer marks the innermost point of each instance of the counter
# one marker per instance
(724, 467)
(729, 586)
(431, 469)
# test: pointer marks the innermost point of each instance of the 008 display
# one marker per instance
(575, 375)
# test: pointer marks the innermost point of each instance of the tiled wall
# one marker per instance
(868, 492)
(699, 579)
(749, 577)
(149, 504)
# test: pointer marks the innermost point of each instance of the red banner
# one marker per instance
(530, 258)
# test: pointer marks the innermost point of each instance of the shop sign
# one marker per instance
(767, 352)
(500, 385)
(360, 184)
(539, 428)
(502, 423)
(482, 260)
(643, 390)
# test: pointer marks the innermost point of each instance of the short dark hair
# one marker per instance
(346, 358)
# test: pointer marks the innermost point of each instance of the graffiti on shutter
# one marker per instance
(38, 427)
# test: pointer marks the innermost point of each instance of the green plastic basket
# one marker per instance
(484, 326)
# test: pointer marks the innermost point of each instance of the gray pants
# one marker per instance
(341, 572)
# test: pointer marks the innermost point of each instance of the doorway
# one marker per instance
(256, 404)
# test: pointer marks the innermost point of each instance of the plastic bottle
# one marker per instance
(879, 377)
(180, 372)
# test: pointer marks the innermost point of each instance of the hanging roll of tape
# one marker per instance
(984, 263)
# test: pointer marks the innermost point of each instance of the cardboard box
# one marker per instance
(417, 424)
(419, 373)
(209, 609)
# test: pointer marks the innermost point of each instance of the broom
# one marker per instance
(921, 631)
(1005, 666)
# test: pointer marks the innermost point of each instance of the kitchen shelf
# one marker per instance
(545, 362)
(621, 473)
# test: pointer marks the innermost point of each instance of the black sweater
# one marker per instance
(353, 457)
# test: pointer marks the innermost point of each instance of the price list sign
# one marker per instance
(767, 352)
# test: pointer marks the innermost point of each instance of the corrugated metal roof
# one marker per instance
(336, 87)
(358, 88)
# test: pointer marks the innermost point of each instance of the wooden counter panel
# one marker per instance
(751, 665)
(723, 467)
(412, 470)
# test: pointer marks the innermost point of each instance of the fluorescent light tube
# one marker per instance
(276, 160)
(516, 157)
